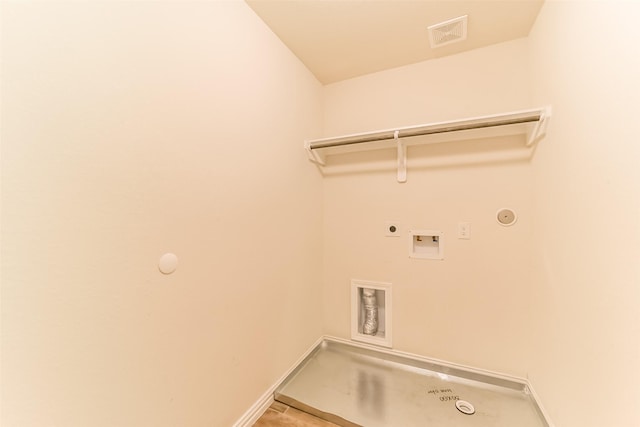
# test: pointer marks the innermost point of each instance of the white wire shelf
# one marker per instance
(531, 123)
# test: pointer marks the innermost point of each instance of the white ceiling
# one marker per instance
(340, 39)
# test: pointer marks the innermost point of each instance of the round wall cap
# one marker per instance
(168, 263)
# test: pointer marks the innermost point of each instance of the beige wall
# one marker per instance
(586, 341)
(131, 129)
(471, 308)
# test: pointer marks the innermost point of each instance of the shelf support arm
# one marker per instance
(541, 127)
(313, 155)
(402, 157)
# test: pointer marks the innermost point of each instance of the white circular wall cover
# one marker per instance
(168, 263)
(506, 217)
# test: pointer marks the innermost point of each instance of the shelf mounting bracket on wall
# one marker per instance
(402, 157)
(540, 128)
(314, 155)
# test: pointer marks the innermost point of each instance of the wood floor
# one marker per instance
(281, 415)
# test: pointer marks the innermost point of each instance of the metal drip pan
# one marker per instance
(352, 385)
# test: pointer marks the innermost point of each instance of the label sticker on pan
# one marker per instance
(443, 394)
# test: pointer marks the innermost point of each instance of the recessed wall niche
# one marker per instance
(371, 312)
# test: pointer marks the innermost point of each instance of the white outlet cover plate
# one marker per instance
(464, 230)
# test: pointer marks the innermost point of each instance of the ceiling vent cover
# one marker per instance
(447, 32)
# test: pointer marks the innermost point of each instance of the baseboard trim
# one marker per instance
(262, 404)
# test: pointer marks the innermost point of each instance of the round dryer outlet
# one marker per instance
(506, 217)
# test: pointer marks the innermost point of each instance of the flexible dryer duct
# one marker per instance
(370, 326)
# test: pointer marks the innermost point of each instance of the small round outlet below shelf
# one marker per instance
(506, 217)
